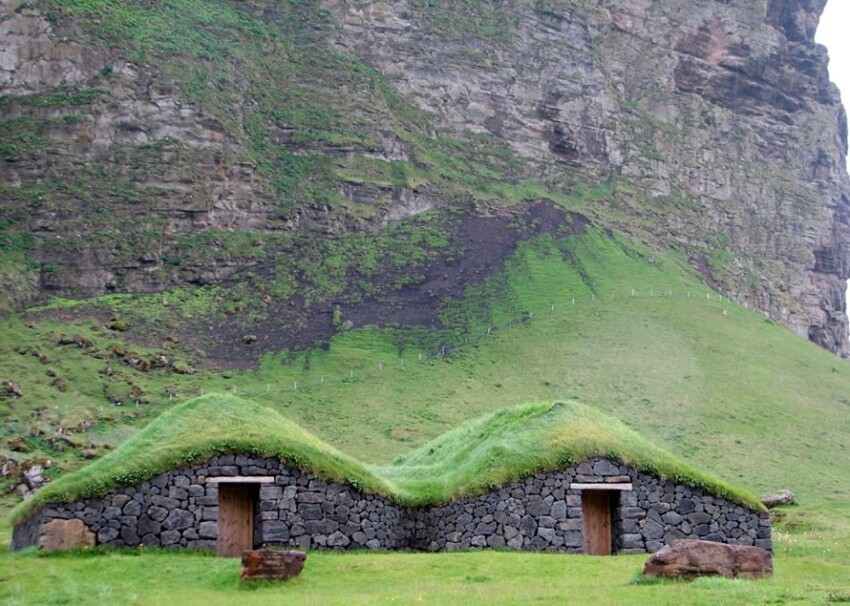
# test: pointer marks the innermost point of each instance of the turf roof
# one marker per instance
(477, 456)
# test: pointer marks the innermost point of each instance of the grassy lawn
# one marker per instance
(812, 567)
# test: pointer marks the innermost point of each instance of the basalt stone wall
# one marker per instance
(297, 509)
(659, 511)
(542, 512)
(180, 509)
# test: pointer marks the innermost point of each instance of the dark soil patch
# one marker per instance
(480, 244)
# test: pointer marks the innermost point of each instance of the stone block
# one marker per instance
(496, 541)
(177, 493)
(311, 511)
(107, 535)
(208, 530)
(631, 541)
(129, 536)
(157, 513)
(178, 519)
(278, 532)
(604, 467)
(165, 502)
(224, 470)
(558, 510)
(652, 530)
(671, 517)
(132, 508)
(61, 534)
(119, 500)
(338, 540)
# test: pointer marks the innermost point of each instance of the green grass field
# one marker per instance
(812, 566)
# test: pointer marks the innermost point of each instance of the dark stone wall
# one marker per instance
(27, 532)
(297, 509)
(542, 513)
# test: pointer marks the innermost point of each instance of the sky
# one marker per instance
(833, 33)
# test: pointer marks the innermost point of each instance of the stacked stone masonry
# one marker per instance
(297, 509)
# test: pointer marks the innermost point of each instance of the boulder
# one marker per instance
(776, 499)
(33, 477)
(65, 534)
(267, 565)
(692, 558)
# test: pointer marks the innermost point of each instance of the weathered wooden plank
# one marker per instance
(596, 522)
(235, 520)
(240, 480)
(600, 486)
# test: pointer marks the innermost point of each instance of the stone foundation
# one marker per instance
(294, 508)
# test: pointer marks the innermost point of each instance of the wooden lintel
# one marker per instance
(600, 486)
(240, 480)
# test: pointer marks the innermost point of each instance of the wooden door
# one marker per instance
(235, 519)
(596, 525)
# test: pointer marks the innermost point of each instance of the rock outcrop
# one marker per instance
(726, 106)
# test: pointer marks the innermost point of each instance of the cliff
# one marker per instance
(146, 148)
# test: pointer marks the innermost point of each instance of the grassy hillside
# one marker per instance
(706, 379)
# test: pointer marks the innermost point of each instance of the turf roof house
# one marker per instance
(555, 477)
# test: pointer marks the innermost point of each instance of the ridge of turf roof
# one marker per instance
(477, 456)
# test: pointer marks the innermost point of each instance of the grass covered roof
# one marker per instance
(477, 456)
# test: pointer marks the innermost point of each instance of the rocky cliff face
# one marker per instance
(132, 163)
(727, 105)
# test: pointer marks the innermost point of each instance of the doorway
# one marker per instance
(596, 508)
(236, 506)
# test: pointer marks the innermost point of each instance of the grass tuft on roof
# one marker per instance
(478, 456)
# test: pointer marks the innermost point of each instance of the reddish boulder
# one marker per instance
(266, 565)
(691, 558)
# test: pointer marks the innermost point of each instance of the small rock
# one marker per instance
(34, 477)
(12, 389)
(9, 467)
(776, 499)
(18, 444)
(82, 342)
(182, 369)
